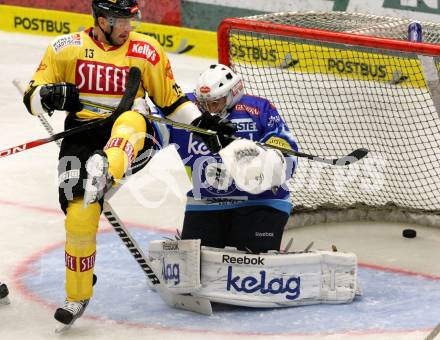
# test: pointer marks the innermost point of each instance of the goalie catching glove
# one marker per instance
(224, 128)
(254, 168)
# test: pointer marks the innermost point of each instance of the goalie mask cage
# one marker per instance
(343, 81)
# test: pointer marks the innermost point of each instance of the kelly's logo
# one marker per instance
(95, 77)
(143, 50)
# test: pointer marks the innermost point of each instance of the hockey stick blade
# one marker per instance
(187, 302)
(134, 78)
(346, 160)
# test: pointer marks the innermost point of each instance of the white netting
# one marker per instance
(337, 97)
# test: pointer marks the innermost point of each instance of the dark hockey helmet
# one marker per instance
(115, 8)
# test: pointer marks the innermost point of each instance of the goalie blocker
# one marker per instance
(264, 280)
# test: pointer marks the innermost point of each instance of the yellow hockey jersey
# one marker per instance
(100, 71)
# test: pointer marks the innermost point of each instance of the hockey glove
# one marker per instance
(224, 128)
(60, 96)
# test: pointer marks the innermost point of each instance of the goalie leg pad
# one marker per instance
(277, 280)
(178, 263)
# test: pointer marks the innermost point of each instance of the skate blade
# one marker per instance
(5, 301)
(61, 328)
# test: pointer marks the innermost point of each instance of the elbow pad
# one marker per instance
(32, 100)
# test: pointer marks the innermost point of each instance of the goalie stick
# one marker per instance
(346, 160)
(186, 302)
(134, 78)
(351, 158)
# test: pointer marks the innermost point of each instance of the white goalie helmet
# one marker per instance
(218, 82)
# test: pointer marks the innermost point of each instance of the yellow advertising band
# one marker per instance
(174, 39)
(251, 50)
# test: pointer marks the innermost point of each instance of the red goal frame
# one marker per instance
(248, 25)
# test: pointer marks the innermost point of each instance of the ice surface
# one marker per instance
(32, 236)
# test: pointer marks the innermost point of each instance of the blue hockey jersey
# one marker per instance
(213, 189)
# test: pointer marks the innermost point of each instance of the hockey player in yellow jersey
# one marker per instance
(92, 66)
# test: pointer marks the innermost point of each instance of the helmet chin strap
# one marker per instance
(108, 35)
(224, 114)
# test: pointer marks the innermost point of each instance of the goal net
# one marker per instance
(344, 81)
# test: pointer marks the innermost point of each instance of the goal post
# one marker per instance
(344, 81)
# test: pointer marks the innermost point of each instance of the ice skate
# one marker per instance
(4, 292)
(69, 313)
(99, 181)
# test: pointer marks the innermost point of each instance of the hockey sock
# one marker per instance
(81, 226)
